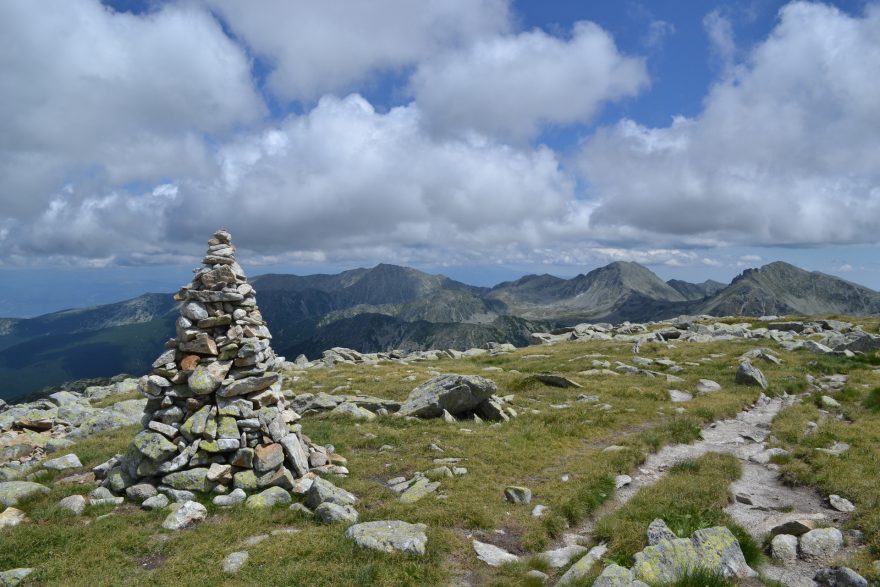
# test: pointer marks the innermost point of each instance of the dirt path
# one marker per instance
(771, 502)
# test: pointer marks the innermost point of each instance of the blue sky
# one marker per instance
(482, 139)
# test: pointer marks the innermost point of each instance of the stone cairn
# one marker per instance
(216, 418)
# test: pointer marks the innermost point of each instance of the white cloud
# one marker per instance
(342, 180)
(658, 31)
(320, 47)
(511, 85)
(720, 31)
(99, 98)
(784, 152)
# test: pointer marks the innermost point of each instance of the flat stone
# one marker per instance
(492, 555)
(554, 380)
(69, 461)
(14, 577)
(234, 561)
(418, 490)
(560, 557)
(12, 492)
(389, 536)
(297, 459)
(708, 386)
(189, 480)
(353, 411)
(157, 502)
(678, 396)
(794, 527)
(582, 567)
(185, 515)
(331, 513)
(841, 504)
(235, 497)
(248, 385)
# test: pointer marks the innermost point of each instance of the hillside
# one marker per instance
(696, 291)
(780, 289)
(599, 460)
(598, 295)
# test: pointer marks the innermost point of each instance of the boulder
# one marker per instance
(784, 547)
(617, 576)
(12, 517)
(821, 543)
(323, 491)
(658, 530)
(518, 495)
(450, 392)
(389, 536)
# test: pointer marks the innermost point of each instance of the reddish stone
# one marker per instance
(189, 362)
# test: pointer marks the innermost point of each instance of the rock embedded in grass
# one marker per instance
(14, 577)
(839, 577)
(185, 515)
(75, 504)
(841, 504)
(518, 495)
(389, 536)
(234, 561)
(493, 555)
(12, 517)
(11, 492)
(332, 513)
(748, 374)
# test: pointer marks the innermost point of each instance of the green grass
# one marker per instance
(699, 577)
(536, 450)
(690, 497)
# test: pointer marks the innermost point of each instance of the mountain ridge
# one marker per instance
(390, 306)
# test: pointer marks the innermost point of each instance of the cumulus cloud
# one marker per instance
(343, 180)
(98, 98)
(510, 85)
(319, 47)
(784, 152)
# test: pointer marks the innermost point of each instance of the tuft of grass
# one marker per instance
(872, 400)
(699, 577)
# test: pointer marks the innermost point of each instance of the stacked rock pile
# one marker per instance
(216, 418)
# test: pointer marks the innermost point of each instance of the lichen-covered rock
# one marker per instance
(715, 549)
(185, 515)
(189, 480)
(331, 513)
(14, 577)
(12, 492)
(658, 530)
(450, 392)
(617, 576)
(582, 567)
(268, 498)
(68, 461)
(389, 536)
(784, 547)
(323, 491)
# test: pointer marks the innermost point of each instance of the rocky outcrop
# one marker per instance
(457, 395)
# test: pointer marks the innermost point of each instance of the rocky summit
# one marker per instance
(216, 418)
